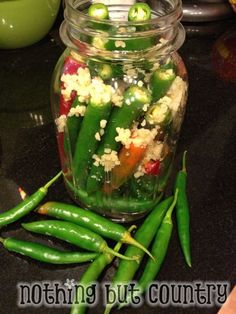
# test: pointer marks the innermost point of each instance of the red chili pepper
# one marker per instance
(71, 66)
(82, 47)
(65, 105)
(152, 167)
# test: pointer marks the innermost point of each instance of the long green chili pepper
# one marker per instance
(159, 250)
(92, 273)
(26, 205)
(135, 98)
(125, 205)
(182, 212)
(73, 234)
(73, 124)
(90, 220)
(44, 253)
(129, 44)
(144, 235)
(160, 82)
(87, 141)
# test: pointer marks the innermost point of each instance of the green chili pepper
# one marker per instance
(166, 169)
(135, 98)
(106, 71)
(126, 44)
(44, 253)
(113, 205)
(73, 234)
(91, 275)
(182, 212)
(90, 220)
(160, 82)
(159, 114)
(144, 187)
(87, 141)
(73, 124)
(144, 234)
(99, 11)
(26, 205)
(159, 250)
(139, 12)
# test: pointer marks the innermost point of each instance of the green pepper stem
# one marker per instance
(108, 308)
(48, 184)
(184, 162)
(129, 240)
(119, 244)
(171, 208)
(133, 227)
(113, 252)
(2, 240)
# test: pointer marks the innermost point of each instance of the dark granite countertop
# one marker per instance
(28, 158)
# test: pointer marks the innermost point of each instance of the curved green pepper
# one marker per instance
(135, 98)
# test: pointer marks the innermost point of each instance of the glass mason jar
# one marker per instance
(118, 96)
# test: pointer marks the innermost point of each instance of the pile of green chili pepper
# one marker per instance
(79, 227)
(85, 229)
(158, 222)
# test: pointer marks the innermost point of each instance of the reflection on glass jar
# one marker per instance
(119, 95)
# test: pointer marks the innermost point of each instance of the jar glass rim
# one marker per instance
(173, 15)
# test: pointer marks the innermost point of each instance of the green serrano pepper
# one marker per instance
(91, 275)
(144, 187)
(44, 253)
(73, 234)
(88, 139)
(182, 212)
(160, 82)
(135, 98)
(105, 70)
(120, 205)
(159, 114)
(27, 205)
(99, 11)
(139, 12)
(127, 44)
(73, 124)
(159, 250)
(144, 235)
(90, 220)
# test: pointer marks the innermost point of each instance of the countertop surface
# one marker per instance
(29, 157)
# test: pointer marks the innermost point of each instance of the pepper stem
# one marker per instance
(184, 161)
(119, 244)
(113, 252)
(132, 228)
(172, 206)
(48, 184)
(1, 240)
(129, 240)
(108, 308)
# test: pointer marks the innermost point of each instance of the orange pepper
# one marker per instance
(129, 160)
